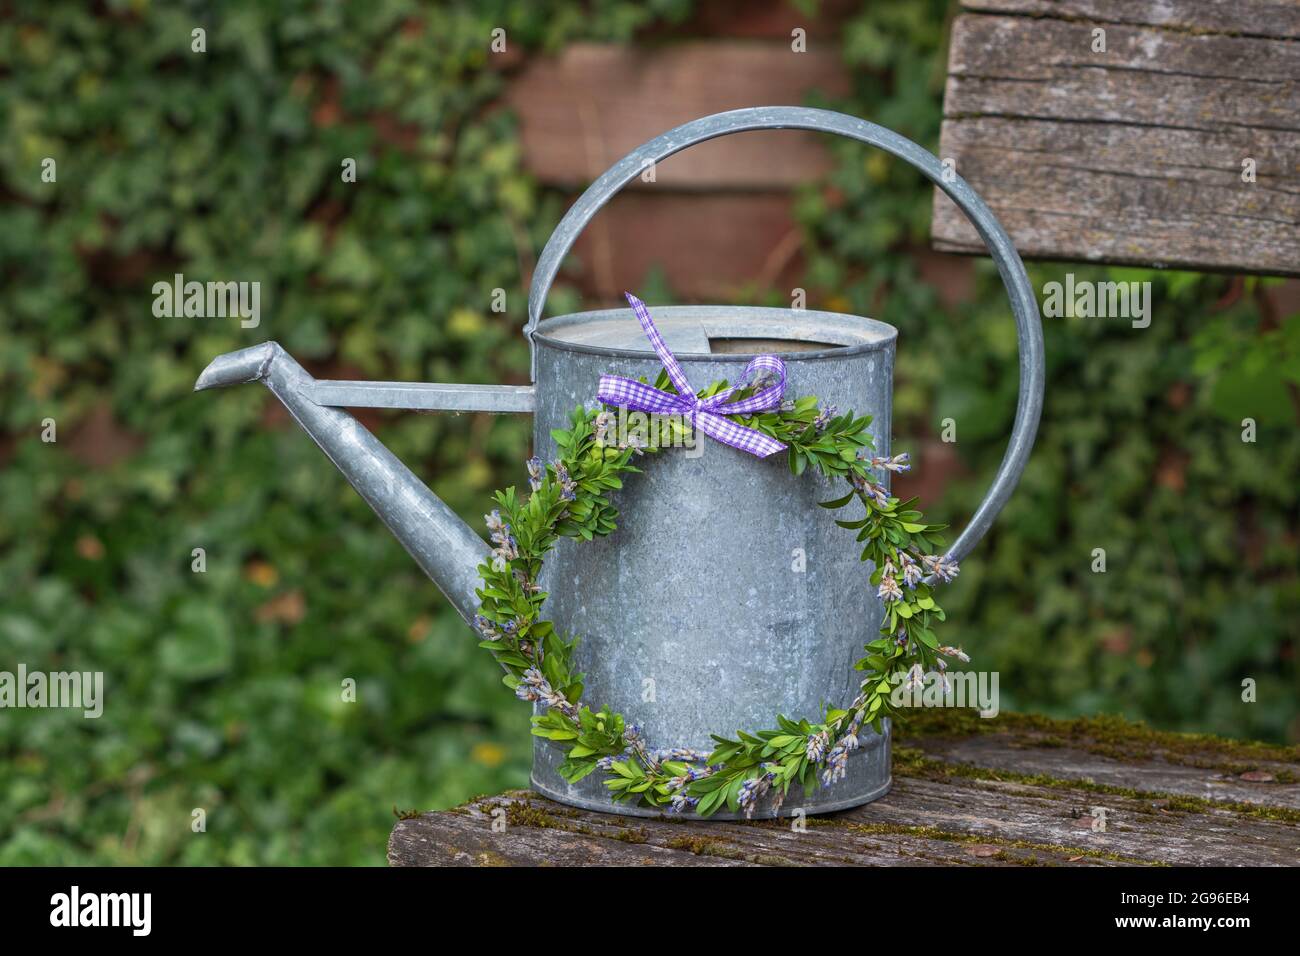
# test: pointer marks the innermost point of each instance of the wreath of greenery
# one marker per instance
(570, 498)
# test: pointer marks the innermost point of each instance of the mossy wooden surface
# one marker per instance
(1019, 790)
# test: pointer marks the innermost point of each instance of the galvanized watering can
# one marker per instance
(702, 622)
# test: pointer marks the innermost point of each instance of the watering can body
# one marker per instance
(727, 595)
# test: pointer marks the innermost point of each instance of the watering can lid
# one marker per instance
(716, 329)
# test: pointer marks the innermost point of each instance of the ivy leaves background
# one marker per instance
(228, 166)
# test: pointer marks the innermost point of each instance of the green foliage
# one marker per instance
(223, 689)
(569, 498)
(223, 693)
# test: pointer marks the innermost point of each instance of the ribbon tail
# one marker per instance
(737, 436)
(638, 396)
(766, 399)
(666, 358)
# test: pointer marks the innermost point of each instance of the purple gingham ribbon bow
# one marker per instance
(706, 414)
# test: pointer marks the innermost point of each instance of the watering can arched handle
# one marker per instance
(1024, 306)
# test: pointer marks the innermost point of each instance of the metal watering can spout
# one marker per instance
(446, 548)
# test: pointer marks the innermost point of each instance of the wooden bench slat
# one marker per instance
(1125, 194)
(1278, 18)
(996, 752)
(1017, 66)
(1009, 798)
(1134, 155)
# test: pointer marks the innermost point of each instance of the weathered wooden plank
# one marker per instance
(1127, 194)
(544, 833)
(1134, 155)
(1010, 798)
(1273, 784)
(1266, 18)
(583, 110)
(922, 821)
(1138, 829)
(1047, 69)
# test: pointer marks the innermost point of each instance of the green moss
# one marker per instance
(909, 761)
(1186, 804)
(525, 814)
(934, 833)
(1106, 735)
(520, 814)
(711, 846)
(692, 844)
(521, 810)
(909, 758)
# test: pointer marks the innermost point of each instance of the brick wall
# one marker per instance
(717, 219)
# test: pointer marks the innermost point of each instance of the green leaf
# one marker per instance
(837, 502)
(709, 803)
(573, 771)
